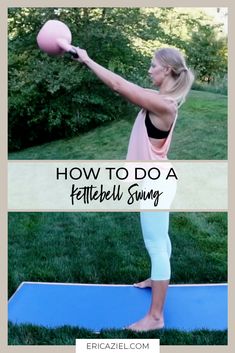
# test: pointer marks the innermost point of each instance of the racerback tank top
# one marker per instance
(140, 147)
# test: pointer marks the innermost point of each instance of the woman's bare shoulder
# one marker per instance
(172, 102)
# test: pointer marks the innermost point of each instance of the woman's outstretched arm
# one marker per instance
(135, 94)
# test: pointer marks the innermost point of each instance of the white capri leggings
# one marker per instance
(155, 232)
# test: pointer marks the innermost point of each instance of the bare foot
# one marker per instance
(147, 323)
(145, 284)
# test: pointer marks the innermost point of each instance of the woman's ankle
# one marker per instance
(156, 315)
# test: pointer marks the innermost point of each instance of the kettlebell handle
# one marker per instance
(73, 52)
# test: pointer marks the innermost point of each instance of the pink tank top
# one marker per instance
(140, 147)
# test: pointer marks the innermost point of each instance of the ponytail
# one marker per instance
(182, 85)
(182, 76)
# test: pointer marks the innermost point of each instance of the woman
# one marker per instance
(150, 140)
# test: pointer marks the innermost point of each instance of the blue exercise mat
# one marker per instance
(97, 307)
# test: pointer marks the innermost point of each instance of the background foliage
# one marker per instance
(52, 98)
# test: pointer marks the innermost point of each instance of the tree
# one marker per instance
(207, 53)
(51, 97)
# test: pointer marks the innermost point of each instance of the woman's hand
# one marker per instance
(82, 55)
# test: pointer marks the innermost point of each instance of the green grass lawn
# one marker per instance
(35, 335)
(108, 247)
(200, 133)
(59, 247)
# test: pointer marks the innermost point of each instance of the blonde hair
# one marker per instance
(182, 76)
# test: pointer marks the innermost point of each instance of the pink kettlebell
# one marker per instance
(55, 38)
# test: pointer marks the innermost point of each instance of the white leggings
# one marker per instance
(155, 232)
